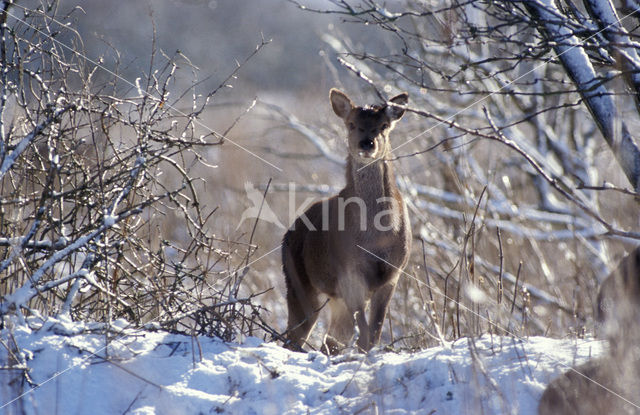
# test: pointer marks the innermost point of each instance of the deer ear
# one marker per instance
(340, 102)
(395, 113)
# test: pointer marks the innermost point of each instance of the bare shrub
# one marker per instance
(100, 213)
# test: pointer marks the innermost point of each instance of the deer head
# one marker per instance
(368, 127)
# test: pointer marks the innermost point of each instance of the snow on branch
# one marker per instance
(600, 103)
(11, 158)
(513, 219)
(30, 289)
(609, 23)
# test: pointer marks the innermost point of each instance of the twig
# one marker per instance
(501, 258)
(515, 288)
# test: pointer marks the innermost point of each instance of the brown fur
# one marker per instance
(323, 257)
(582, 391)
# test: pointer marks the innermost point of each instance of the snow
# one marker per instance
(110, 220)
(148, 372)
(26, 141)
(475, 294)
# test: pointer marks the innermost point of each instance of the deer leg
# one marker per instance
(355, 294)
(303, 314)
(341, 327)
(303, 302)
(364, 341)
(379, 306)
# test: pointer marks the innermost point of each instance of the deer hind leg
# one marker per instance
(303, 301)
(378, 309)
(303, 314)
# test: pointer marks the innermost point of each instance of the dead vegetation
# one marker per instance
(111, 209)
(101, 216)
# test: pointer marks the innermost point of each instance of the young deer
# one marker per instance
(352, 246)
(610, 384)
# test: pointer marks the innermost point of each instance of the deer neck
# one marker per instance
(371, 181)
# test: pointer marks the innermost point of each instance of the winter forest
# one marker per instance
(153, 154)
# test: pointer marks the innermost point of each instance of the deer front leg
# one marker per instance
(379, 305)
(341, 327)
(355, 292)
(364, 341)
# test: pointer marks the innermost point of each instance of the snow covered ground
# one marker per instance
(146, 372)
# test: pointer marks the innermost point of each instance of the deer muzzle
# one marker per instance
(367, 147)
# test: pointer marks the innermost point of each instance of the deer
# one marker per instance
(608, 384)
(350, 249)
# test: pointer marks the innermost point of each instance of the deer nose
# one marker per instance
(367, 144)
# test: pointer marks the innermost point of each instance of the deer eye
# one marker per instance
(385, 126)
(352, 126)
